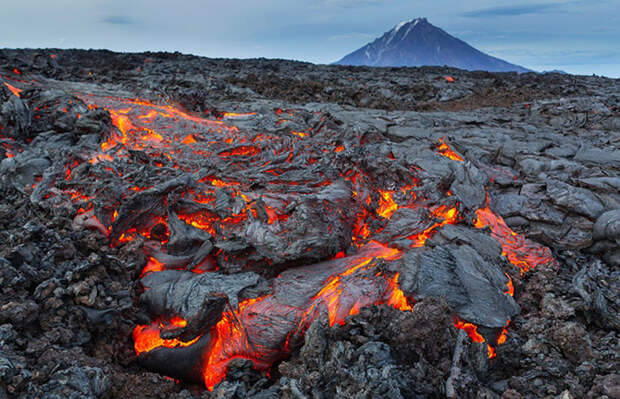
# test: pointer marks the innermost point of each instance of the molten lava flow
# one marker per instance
(228, 336)
(397, 298)
(470, 329)
(8, 147)
(503, 336)
(232, 340)
(239, 333)
(247, 184)
(233, 115)
(445, 216)
(141, 126)
(13, 89)
(446, 151)
(520, 251)
(299, 134)
(241, 151)
(387, 206)
(147, 338)
(472, 332)
(152, 265)
(331, 293)
(189, 139)
(510, 287)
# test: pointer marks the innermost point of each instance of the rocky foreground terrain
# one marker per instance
(542, 151)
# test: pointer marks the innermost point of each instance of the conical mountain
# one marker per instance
(417, 43)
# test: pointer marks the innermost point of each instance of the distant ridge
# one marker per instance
(417, 43)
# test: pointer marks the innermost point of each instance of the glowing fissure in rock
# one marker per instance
(446, 151)
(147, 338)
(13, 89)
(521, 252)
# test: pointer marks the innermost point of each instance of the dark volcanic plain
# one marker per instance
(540, 150)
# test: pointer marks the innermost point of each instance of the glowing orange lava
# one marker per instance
(146, 338)
(148, 133)
(387, 206)
(241, 151)
(152, 265)
(470, 329)
(397, 298)
(300, 134)
(230, 337)
(520, 251)
(232, 115)
(445, 216)
(472, 332)
(13, 89)
(446, 151)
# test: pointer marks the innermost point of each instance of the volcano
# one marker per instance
(419, 43)
(165, 213)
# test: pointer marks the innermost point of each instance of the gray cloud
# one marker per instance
(510, 10)
(117, 20)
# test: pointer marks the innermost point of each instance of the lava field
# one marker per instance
(177, 226)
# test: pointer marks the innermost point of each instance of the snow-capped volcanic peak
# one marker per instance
(417, 42)
(400, 25)
(413, 23)
(389, 37)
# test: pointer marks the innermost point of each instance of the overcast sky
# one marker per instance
(581, 37)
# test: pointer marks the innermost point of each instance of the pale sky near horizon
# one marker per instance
(581, 37)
